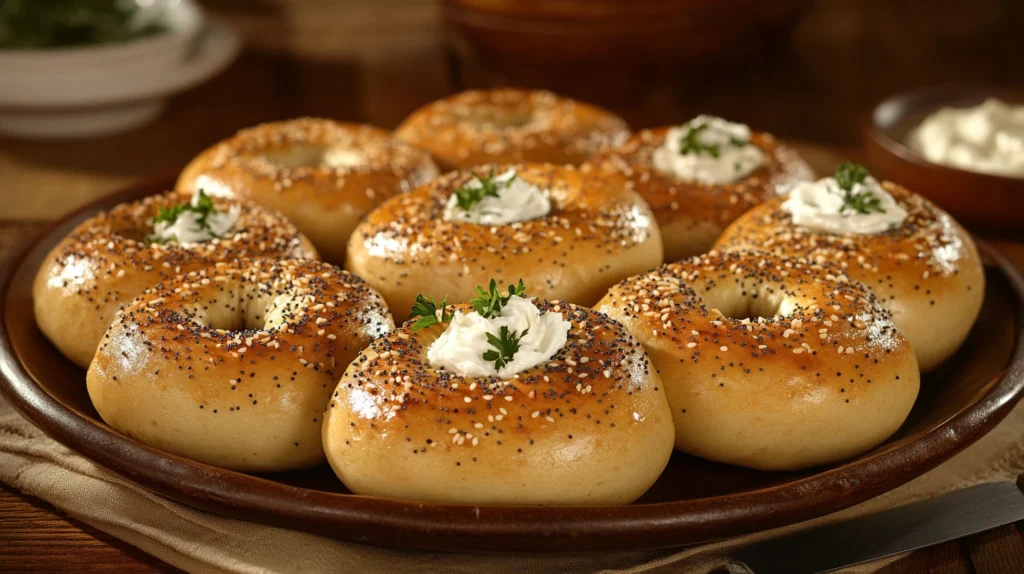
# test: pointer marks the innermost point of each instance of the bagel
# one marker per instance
(233, 365)
(595, 233)
(693, 213)
(400, 427)
(511, 126)
(768, 362)
(323, 175)
(926, 271)
(109, 259)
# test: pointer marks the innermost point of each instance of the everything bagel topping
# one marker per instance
(193, 222)
(503, 335)
(496, 200)
(708, 149)
(849, 202)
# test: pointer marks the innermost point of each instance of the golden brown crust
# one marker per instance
(282, 165)
(232, 365)
(769, 362)
(107, 260)
(927, 271)
(511, 126)
(596, 234)
(399, 428)
(692, 214)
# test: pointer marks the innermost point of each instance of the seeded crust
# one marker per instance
(233, 365)
(596, 234)
(927, 272)
(106, 261)
(397, 427)
(692, 215)
(279, 165)
(511, 126)
(768, 362)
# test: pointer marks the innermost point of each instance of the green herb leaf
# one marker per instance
(467, 197)
(489, 303)
(506, 345)
(849, 175)
(426, 309)
(863, 203)
(691, 143)
(203, 206)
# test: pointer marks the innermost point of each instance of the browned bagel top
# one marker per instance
(511, 125)
(246, 326)
(738, 313)
(114, 244)
(926, 248)
(590, 383)
(698, 200)
(295, 156)
(587, 208)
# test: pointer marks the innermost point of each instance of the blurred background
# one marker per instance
(808, 70)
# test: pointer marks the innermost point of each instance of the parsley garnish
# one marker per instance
(489, 303)
(849, 175)
(506, 345)
(203, 206)
(691, 142)
(466, 197)
(427, 311)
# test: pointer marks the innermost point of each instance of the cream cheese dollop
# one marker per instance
(461, 347)
(821, 205)
(517, 201)
(988, 138)
(188, 227)
(723, 152)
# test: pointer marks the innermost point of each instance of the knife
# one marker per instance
(909, 527)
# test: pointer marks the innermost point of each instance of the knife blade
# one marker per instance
(912, 526)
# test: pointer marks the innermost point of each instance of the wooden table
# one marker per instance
(39, 181)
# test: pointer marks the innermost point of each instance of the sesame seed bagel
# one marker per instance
(323, 175)
(927, 271)
(233, 365)
(589, 427)
(769, 363)
(596, 233)
(511, 126)
(108, 260)
(692, 215)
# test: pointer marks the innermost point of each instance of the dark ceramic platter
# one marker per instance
(694, 501)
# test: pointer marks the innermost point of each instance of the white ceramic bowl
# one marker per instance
(95, 90)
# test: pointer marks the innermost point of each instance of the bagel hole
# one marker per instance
(735, 302)
(137, 227)
(315, 156)
(253, 308)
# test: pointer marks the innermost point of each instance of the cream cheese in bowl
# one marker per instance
(987, 138)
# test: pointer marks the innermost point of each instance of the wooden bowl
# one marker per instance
(614, 51)
(693, 501)
(980, 201)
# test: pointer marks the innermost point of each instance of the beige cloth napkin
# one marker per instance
(198, 541)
